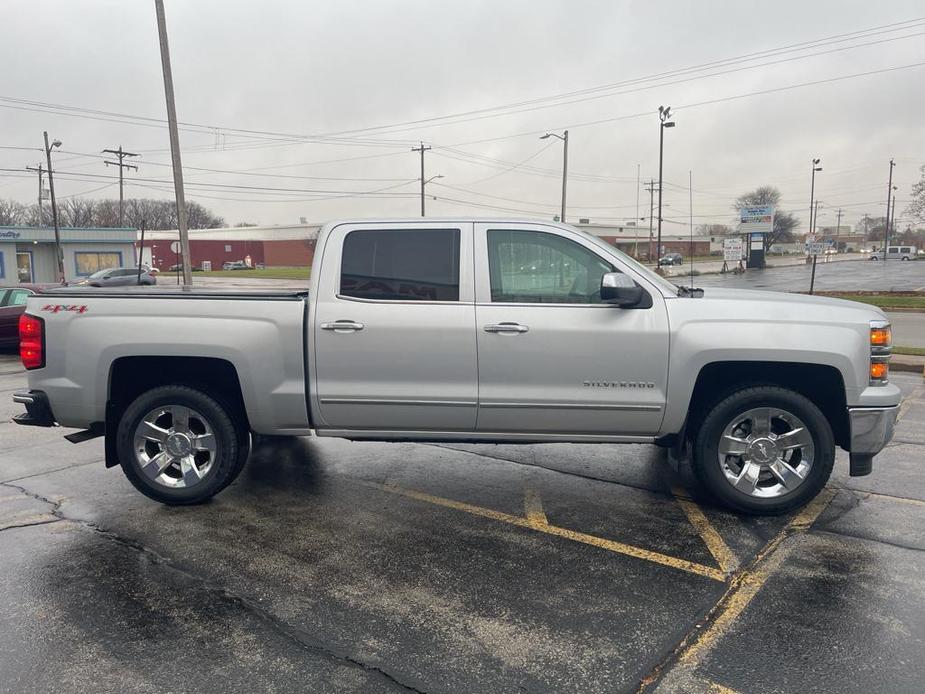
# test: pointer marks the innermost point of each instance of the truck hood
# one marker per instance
(760, 305)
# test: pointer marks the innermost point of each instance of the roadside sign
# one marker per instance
(814, 247)
(756, 219)
(175, 247)
(732, 249)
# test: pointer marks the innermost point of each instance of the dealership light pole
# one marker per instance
(889, 194)
(59, 256)
(664, 113)
(564, 138)
(812, 193)
(174, 142)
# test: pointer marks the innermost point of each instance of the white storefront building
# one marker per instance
(27, 254)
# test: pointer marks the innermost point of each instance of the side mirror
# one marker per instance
(619, 289)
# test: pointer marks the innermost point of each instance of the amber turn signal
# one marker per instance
(880, 337)
(879, 370)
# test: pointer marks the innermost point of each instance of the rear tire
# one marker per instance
(179, 446)
(764, 450)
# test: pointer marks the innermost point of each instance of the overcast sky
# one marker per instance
(297, 70)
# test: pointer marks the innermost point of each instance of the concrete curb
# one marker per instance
(908, 363)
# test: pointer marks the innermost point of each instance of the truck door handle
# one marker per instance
(346, 325)
(506, 328)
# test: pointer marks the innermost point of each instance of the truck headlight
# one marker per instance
(881, 348)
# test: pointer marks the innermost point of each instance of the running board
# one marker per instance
(95, 431)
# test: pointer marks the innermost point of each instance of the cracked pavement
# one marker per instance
(332, 566)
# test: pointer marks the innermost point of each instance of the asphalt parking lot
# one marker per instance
(855, 275)
(332, 566)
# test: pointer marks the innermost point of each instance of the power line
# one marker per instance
(871, 31)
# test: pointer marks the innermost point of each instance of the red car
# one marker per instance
(12, 306)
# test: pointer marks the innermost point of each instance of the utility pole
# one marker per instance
(421, 149)
(564, 138)
(838, 224)
(41, 171)
(121, 155)
(650, 186)
(174, 142)
(889, 194)
(59, 256)
(636, 230)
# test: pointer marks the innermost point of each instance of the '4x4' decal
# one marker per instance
(58, 308)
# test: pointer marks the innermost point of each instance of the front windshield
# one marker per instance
(99, 273)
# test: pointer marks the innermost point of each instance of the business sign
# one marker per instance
(9, 234)
(759, 219)
(814, 247)
(732, 250)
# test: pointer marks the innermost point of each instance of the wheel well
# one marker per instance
(821, 384)
(129, 377)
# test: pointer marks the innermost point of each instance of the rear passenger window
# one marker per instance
(18, 297)
(408, 265)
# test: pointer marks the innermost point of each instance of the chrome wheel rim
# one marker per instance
(766, 452)
(175, 446)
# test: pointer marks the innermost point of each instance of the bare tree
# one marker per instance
(12, 213)
(78, 212)
(784, 222)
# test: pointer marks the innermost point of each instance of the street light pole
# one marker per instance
(59, 256)
(664, 113)
(812, 193)
(424, 183)
(886, 229)
(564, 138)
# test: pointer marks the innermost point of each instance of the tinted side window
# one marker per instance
(536, 267)
(18, 297)
(409, 265)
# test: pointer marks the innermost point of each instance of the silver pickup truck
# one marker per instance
(466, 330)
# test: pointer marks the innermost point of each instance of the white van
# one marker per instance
(895, 253)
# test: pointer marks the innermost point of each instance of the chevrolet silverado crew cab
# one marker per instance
(466, 330)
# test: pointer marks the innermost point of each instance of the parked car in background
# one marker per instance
(12, 306)
(235, 265)
(894, 253)
(116, 277)
(671, 259)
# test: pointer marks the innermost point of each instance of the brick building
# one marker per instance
(290, 245)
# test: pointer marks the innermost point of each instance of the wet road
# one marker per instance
(332, 566)
(860, 275)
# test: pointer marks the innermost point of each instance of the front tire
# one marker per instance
(764, 450)
(178, 446)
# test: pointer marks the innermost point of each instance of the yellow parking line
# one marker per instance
(746, 585)
(742, 590)
(724, 556)
(720, 689)
(533, 506)
(584, 538)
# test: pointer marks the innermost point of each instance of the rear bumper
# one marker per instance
(871, 430)
(38, 409)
